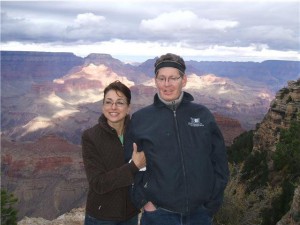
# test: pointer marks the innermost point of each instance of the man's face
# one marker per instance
(169, 83)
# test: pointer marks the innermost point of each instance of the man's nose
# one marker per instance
(167, 81)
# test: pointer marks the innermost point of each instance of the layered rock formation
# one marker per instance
(73, 102)
(293, 215)
(36, 65)
(246, 103)
(283, 109)
(273, 73)
(48, 99)
(47, 176)
(230, 128)
(74, 217)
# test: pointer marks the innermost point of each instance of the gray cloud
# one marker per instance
(192, 24)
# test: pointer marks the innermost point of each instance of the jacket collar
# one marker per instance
(187, 97)
(102, 121)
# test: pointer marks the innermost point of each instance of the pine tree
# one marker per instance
(8, 212)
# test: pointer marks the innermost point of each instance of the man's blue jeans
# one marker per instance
(164, 217)
(93, 221)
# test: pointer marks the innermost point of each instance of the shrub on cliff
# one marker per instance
(287, 154)
(8, 212)
(255, 170)
(241, 147)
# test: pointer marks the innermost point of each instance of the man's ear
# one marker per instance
(184, 80)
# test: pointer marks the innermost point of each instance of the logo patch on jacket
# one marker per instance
(195, 122)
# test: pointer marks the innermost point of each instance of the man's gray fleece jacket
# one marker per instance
(187, 165)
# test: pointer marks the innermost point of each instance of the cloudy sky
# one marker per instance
(136, 30)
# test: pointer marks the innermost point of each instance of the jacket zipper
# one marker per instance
(114, 130)
(124, 194)
(182, 161)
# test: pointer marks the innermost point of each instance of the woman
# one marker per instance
(109, 176)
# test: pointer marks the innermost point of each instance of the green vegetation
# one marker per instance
(279, 204)
(255, 170)
(258, 193)
(287, 154)
(8, 212)
(240, 206)
(254, 167)
(241, 147)
(284, 92)
(286, 162)
(289, 99)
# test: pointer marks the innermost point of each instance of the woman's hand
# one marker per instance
(138, 158)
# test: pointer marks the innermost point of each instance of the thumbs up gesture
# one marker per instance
(138, 158)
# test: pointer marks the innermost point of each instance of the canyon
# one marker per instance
(48, 99)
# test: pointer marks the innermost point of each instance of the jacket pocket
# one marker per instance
(137, 191)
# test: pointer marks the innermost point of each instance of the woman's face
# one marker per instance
(115, 107)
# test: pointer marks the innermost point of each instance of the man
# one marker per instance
(187, 168)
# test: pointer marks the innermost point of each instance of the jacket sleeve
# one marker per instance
(137, 193)
(137, 189)
(221, 170)
(100, 180)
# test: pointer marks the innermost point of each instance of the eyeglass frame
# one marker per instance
(171, 80)
(119, 103)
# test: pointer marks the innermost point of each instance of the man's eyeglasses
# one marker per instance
(118, 103)
(171, 80)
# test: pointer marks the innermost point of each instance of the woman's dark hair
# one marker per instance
(119, 86)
